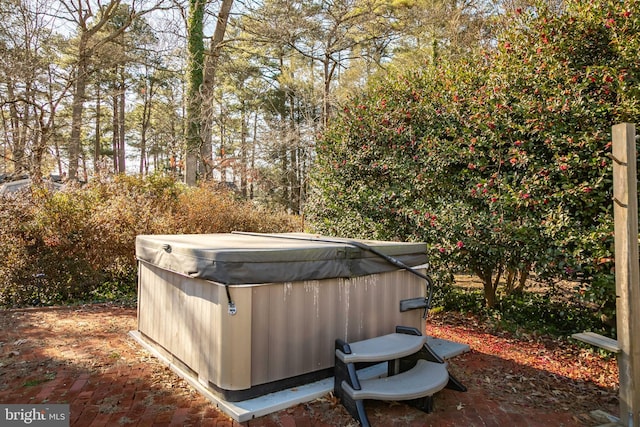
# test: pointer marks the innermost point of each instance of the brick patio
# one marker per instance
(83, 356)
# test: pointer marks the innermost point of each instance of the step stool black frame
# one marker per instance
(348, 372)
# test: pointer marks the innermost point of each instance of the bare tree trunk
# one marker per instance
(146, 120)
(243, 151)
(208, 85)
(85, 173)
(78, 107)
(292, 139)
(38, 150)
(253, 154)
(121, 127)
(223, 167)
(18, 132)
(489, 284)
(88, 26)
(97, 146)
(195, 47)
(116, 133)
(329, 68)
(143, 147)
(56, 148)
(293, 180)
(5, 139)
(302, 179)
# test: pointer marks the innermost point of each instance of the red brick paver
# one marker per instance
(83, 356)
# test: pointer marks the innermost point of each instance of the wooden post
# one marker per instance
(625, 211)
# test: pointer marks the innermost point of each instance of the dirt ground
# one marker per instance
(84, 356)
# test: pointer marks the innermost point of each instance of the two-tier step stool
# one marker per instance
(414, 374)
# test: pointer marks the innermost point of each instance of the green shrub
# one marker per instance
(453, 298)
(499, 161)
(549, 313)
(541, 312)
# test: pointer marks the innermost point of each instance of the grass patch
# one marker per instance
(37, 381)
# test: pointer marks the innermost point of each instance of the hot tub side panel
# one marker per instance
(188, 318)
(295, 324)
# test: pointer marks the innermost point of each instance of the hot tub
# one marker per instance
(249, 314)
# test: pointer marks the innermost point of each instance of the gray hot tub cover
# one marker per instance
(235, 259)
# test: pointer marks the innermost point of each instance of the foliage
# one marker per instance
(544, 313)
(499, 161)
(453, 298)
(78, 244)
(279, 73)
(525, 312)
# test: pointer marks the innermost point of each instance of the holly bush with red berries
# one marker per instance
(500, 160)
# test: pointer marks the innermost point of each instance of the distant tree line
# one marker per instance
(234, 92)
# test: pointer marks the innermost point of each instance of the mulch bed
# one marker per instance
(83, 356)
